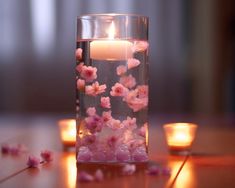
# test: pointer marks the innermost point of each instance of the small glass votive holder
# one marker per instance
(67, 129)
(180, 137)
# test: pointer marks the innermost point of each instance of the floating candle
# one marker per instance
(111, 49)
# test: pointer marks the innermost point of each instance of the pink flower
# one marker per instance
(5, 148)
(85, 177)
(143, 130)
(99, 176)
(95, 89)
(128, 81)
(79, 67)
(89, 139)
(153, 170)
(33, 161)
(140, 154)
(128, 169)
(17, 149)
(105, 102)
(130, 123)
(81, 84)
(88, 73)
(166, 171)
(78, 54)
(94, 123)
(91, 111)
(118, 90)
(121, 70)
(114, 124)
(132, 62)
(47, 155)
(84, 154)
(112, 140)
(140, 46)
(106, 116)
(123, 154)
(143, 91)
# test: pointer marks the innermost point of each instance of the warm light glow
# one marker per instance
(111, 31)
(71, 171)
(180, 135)
(68, 131)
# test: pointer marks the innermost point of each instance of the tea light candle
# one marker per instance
(68, 131)
(111, 49)
(180, 136)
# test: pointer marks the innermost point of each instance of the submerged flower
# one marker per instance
(143, 91)
(89, 139)
(128, 81)
(114, 124)
(84, 154)
(79, 67)
(91, 111)
(95, 89)
(81, 84)
(132, 62)
(88, 73)
(99, 175)
(33, 161)
(47, 155)
(85, 177)
(105, 102)
(78, 54)
(106, 116)
(140, 46)
(140, 154)
(128, 169)
(94, 123)
(112, 140)
(123, 154)
(118, 90)
(130, 123)
(121, 69)
(142, 131)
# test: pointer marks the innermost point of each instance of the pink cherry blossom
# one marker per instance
(78, 54)
(85, 177)
(112, 140)
(99, 155)
(106, 116)
(153, 170)
(130, 123)
(47, 155)
(33, 161)
(5, 148)
(99, 175)
(140, 154)
(143, 130)
(105, 102)
(91, 111)
(132, 62)
(128, 169)
(89, 139)
(121, 69)
(95, 89)
(135, 143)
(123, 154)
(84, 154)
(118, 90)
(81, 84)
(88, 73)
(79, 67)
(115, 124)
(143, 91)
(128, 81)
(140, 46)
(94, 123)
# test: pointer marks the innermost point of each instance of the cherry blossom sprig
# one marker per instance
(13, 149)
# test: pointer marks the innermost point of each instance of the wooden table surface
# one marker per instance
(212, 163)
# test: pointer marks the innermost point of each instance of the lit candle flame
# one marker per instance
(111, 31)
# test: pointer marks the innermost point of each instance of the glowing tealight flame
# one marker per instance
(111, 31)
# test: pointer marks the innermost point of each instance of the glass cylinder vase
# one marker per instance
(112, 88)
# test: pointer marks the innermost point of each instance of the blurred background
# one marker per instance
(192, 54)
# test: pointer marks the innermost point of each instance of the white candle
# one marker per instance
(111, 49)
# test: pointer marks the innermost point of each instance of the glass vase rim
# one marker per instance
(89, 16)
